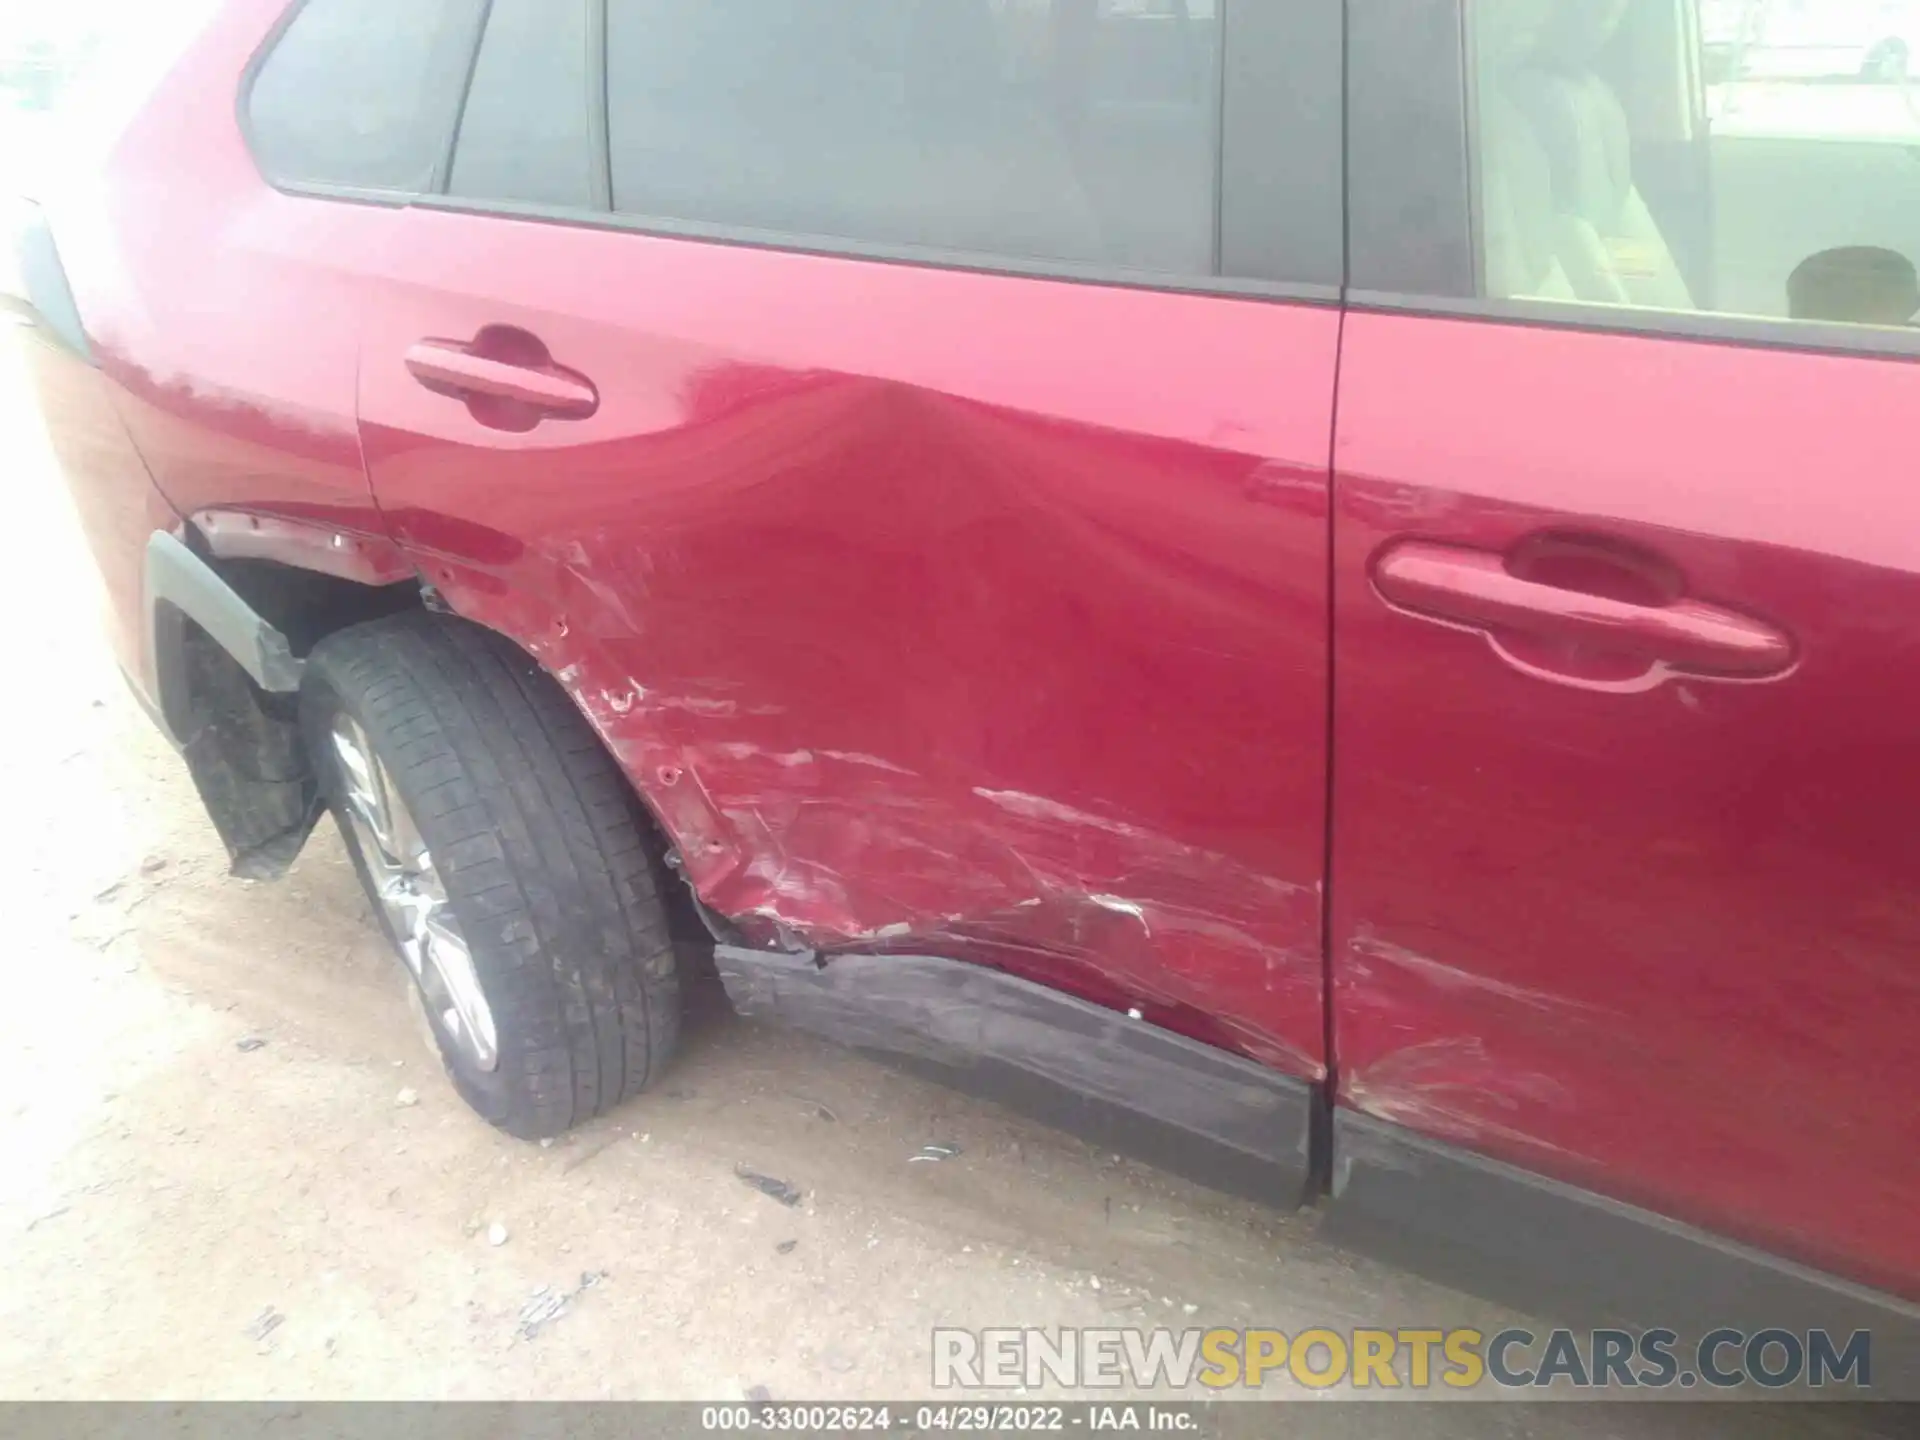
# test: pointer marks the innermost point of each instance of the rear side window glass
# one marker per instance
(527, 133)
(1748, 158)
(1076, 130)
(363, 94)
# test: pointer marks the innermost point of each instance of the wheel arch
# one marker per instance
(657, 764)
(235, 604)
(228, 627)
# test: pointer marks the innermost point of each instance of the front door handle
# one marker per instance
(1474, 588)
(522, 376)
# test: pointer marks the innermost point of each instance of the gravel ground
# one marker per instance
(229, 1169)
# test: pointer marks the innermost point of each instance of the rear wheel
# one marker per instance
(508, 863)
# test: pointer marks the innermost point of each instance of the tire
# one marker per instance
(536, 862)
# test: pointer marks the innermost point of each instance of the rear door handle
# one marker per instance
(1474, 588)
(450, 368)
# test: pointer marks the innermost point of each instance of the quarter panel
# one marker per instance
(224, 313)
(114, 499)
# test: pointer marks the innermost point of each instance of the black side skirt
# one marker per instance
(1116, 1081)
(1543, 1247)
(1551, 1249)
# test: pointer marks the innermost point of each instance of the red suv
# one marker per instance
(1322, 591)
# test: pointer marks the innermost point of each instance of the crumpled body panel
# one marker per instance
(963, 614)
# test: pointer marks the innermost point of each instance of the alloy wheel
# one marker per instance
(410, 891)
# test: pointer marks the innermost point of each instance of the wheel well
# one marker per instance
(242, 742)
(306, 606)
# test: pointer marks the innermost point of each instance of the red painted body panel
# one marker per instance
(989, 616)
(304, 544)
(926, 608)
(1648, 932)
(224, 313)
(224, 317)
(115, 500)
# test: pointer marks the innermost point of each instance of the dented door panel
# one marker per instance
(948, 612)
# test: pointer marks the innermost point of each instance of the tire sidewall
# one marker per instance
(321, 700)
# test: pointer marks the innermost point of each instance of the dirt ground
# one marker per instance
(229, 1167)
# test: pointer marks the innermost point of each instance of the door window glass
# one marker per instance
(362, 93)
(526, 133)
(1743, 157)
(1082, 130)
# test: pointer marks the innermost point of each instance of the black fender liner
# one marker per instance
(180, 587)
(224, 682)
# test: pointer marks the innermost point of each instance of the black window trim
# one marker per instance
(1695, 327)
(1283, 204)
(1218, 136)
(606, 218)
(839, 247)
(1373, 189)
(443, 171)
(1411, 225)
(599, 111)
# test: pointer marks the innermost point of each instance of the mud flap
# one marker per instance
(225, 682)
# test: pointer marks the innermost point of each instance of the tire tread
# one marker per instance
(544, 851)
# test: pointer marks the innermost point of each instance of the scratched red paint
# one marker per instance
(989, 616)
(912, 633)
(923, 607)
